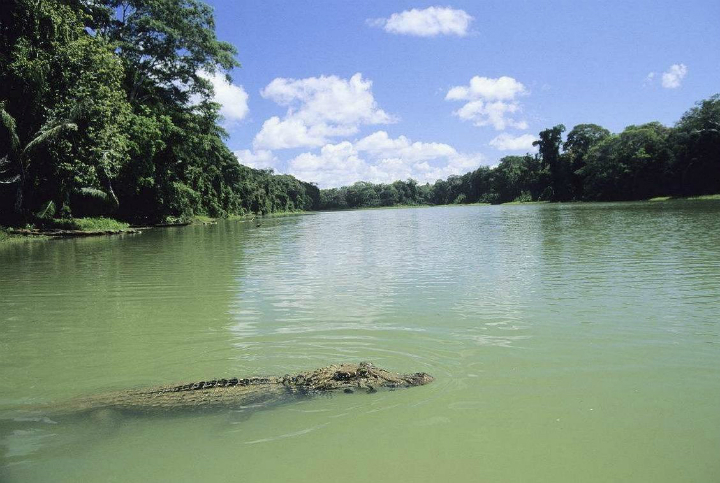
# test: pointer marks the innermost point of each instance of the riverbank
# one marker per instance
(101, 226)
(55, 228)
(7, 237)
(209, 220)
(673, 198)
(525, 203)
(514, 203)
(400, 207)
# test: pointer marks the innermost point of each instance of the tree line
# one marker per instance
(104, 110)
(589, 164)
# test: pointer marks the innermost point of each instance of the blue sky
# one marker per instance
(338, 91)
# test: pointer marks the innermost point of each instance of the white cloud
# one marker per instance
(501, 89)
(258, 159)
(290, 133)
(379, 144)
(319, 108)
(674, 76)
(507, 142)
(335, 165)
(232, 98)
(380, 159)
(328, 99)
(490, 102)
(429, 22)
(491, 113)
(322, 109)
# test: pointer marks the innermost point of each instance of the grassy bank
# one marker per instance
(669, 198)
(43, 229)
(7, 238)
(206, 220)
(88, 224)
(401, 207)
(285, 213)
(525, 203)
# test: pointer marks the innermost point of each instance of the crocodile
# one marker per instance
(244, 392)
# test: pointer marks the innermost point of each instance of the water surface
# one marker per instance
(569, 343)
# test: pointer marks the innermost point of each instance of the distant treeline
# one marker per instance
(104, 110)
(591, 164)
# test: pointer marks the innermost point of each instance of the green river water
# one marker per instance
(570, 343)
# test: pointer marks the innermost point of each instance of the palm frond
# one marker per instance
(6, 174)
(12, 180)
(95, 194)
(49, 132)
(8, 122)
(47, 210)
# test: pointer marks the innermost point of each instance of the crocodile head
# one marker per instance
(355, 376)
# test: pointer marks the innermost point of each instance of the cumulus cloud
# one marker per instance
(259, 159)
(335, 165)
(322, 109)
(508, 142)
(232, 98)
(318, 109)
(495, 114)
(490, 102)
(378, 158)
(672, 79)
(430, 22)
(290, 133)
(379, 144)
(501, 89)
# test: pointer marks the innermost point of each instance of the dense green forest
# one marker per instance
(591, 164)
(104, 111)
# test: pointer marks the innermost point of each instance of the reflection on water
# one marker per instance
(569, 343)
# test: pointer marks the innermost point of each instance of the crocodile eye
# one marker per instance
(342, 376)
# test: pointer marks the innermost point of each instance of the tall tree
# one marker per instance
(696, 142)
(165, 46)
(632, 165)
(549, 146)
(61, 86)
(577, 144)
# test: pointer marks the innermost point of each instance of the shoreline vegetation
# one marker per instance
(67, 228)
(90, 130)
(675, 198)
(85, 227)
